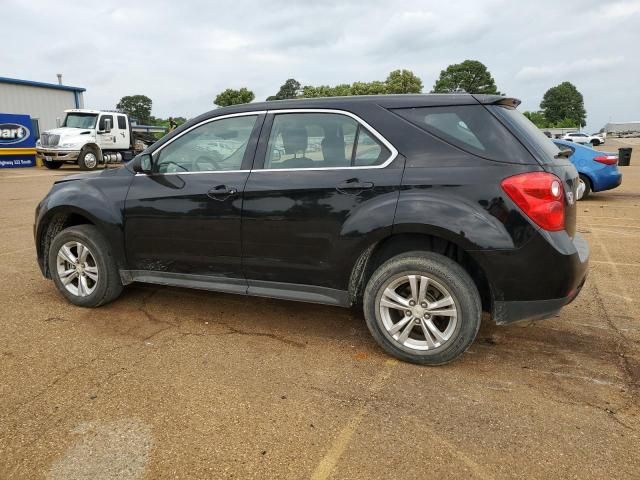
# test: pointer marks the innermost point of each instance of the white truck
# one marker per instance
(89, 138)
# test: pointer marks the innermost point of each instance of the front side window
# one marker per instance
(219, 145)
(321, 140)
(103, 122)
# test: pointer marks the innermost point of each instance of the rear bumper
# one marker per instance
(537, 280)
(607, 180)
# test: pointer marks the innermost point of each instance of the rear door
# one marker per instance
(323, 184)
(184, 218)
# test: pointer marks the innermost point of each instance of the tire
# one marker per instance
(595, 143)
(52, 165)
(99, 262)
(457, 331)
(88, 159)
(587, 186)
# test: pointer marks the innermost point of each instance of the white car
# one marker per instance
(583, 138)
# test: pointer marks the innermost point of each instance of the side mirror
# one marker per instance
(107, 125)
(58, 122)
(142, 163)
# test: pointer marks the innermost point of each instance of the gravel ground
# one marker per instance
(172, 383)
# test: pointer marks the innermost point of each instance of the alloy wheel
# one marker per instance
(418, 312)
(77, 269)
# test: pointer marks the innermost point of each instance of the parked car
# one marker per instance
(424, 210)
(598, 170)
(583, 138)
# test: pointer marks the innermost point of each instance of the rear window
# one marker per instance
(471, 128)
(528, 132)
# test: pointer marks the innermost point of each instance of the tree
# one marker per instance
(563, 102)
(234, 97)
(470, 76)
(136, 106)
(288, 89)
(403, 81)
(369, 88)
(537, 118)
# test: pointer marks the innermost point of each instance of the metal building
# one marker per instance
(44, 102)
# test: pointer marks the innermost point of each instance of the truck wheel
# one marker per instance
(83, 267)
(88, 159)
(52, 165)
(423, 308)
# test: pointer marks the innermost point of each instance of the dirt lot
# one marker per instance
(171, 383)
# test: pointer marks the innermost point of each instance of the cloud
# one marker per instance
(181, 54)
(565, 69)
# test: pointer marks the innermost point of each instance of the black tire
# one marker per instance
(587, 186)
(448, 274)
(108, 286)
(595, 143)
(85, 159)
(52, 165)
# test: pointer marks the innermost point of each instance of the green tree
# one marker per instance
(136, 106)
(288, 89)
(234, 97)
(563, 102)
(470, 76)
(403, 81)
(369, 88)
(537, 118)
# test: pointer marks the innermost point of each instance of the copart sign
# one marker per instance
(17, 141)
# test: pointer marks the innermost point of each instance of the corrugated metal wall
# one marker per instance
(45, 104)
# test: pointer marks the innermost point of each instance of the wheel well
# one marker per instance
(394, 245)
(56, 224)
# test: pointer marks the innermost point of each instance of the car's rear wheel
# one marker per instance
(83, 267)
(584, 180)
(595, 143)
(423, 308)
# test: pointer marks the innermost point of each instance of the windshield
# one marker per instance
(80, 120)
(528, 132)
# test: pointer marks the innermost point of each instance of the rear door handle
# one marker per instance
(222, 192)
(353, 186)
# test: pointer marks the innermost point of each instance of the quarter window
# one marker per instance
(321, 140)
(219, 145)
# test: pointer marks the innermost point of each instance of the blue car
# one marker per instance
(598, 170)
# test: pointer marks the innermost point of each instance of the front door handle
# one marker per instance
(353, 186)
(222, 192)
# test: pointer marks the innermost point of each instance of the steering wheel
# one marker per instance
(212, 158)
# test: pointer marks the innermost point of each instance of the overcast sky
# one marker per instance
(182, 53)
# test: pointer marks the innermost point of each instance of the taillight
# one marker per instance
(540, 196)
(606, 159)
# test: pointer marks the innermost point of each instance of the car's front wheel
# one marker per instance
(83, 267)
(423, 308)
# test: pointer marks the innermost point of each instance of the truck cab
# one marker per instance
(88, 138)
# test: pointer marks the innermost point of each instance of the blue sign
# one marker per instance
(17, 141)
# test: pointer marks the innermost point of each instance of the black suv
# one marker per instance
(424, 209)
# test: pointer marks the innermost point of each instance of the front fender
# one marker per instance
(97, 197)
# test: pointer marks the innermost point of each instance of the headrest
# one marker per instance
(294, 140)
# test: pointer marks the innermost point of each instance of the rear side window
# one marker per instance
(122, 122)
(471, 128)
(533, 137)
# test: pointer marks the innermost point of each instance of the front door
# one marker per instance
(323, 186)
(184, 218)
(106, 139)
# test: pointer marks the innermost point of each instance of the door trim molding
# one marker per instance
(256, 288)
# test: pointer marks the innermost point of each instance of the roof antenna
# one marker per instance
(59, 78)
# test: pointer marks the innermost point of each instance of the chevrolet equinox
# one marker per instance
(425, 210)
